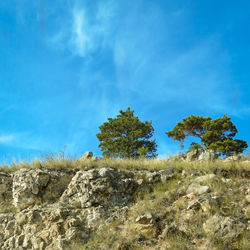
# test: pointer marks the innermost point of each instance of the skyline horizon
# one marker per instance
(65, 67)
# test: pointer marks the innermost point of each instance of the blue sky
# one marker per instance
(66, 66)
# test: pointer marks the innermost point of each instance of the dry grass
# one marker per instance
(59, 162)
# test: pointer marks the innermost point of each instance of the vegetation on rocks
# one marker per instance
(125, 204)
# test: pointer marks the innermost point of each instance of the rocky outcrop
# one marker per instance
(197, 188)
(201, 155)
(105, 186)
(5, 187)
(225, 227)
(207, 155)
(193, 155)
(36, 186)
(53, 208)
(233, 158)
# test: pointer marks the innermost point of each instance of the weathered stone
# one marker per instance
(153, 177)
(193, 155)
(86, 156)
(146, 218)
(27, 183)
(5, 187)
(194, 204)
(196, 188)
(66, 206)
(204, 178)
(33, 186)
(233, 158)
(224, 227)
(99, 187)
(207, 155)
(166, 174)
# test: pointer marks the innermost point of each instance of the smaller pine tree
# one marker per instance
(217, 135)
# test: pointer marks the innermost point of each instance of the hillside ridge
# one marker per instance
(113, 208)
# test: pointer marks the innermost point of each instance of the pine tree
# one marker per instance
(127, 137)
(217, 135)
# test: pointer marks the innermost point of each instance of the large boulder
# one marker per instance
(103, 187)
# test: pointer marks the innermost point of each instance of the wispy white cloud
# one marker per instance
(6, 138)
(82, 40)
(24, 140)
(88, 30)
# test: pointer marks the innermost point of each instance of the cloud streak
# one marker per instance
(88, 30)
(6, 138)
(81, 41)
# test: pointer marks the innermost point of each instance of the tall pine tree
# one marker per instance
(127, 137)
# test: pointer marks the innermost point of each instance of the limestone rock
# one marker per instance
(204, 178)
(207, 155)
(100, 187)
(146, 218)
(27, 183)
(204, 202)
(160, 176)
(153, 177)
(56, 208)
(196, 188)
(233, 158)
(86, 156)
(201, 155)
(5, 187)
(193, 155)
(225, 227)
(33, 186)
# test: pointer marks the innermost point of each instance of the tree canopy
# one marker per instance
(127, 137)
(217, 135)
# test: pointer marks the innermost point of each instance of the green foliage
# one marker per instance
(194, 146)
(127, 137)
(143, 152)
(215, 134)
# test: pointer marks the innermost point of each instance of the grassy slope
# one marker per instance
(165, 202)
